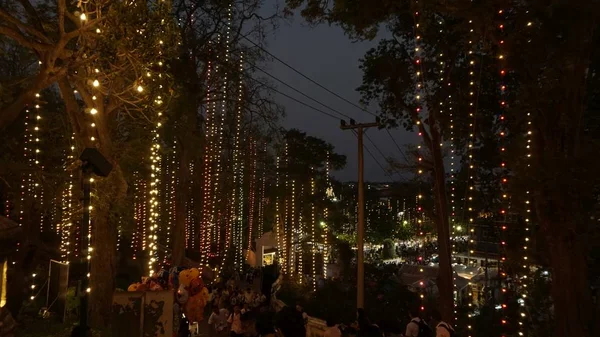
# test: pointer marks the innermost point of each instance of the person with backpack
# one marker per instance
(417, 327)
(442, 329)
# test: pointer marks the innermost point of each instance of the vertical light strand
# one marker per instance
(313, 219)
(192, 237)
(24, 191)
(173, 177)
(419, 91)
(326, 218)
(37, 185)
(135, 241)
(238, 164)
(292, 229)
(119, 233)
(207, 221)
(67, 209)
(299, 230)
(155, 170)
(229, 218)
(33, 285)
(524, 292)
(286, 217)
(90, 241)
(471, 170)
(277, 212)
(251, 192)
(217, 134)
(261, 205)
(504, 200)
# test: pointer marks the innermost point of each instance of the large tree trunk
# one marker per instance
(444, 281)
(181, 196)
(106, 194)
(570, 284)
(109, 192)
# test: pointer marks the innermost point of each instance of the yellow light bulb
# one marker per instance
(93, 111)
(83, 17)
(96, 83)
(139, 88)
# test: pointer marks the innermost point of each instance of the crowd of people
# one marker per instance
(417, 326)
(247, 313)
(236, 312)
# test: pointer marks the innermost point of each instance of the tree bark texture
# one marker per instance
(110, 192)
(444, 281)
(181, 197)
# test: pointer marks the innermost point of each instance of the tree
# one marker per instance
(411, 89)
(99, 63)
(542, 39)
(303, 162)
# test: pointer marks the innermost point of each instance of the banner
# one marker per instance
(58, 284)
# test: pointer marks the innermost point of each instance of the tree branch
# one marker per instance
(23, 40)
(23, 26)
(10, 113)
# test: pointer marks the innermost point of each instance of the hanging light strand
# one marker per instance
(313, 232)
(505, 199)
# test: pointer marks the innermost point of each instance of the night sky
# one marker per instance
(327, 56)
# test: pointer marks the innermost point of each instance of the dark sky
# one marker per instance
(327, 56)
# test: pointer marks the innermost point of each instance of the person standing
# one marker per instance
(442, 329)
(214, 322)
(332, 329)
(236, 322)
(417, 326)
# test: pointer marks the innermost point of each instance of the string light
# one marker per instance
(313, 231)
(35, 148)
(326, 216)
(471, 171)
(292, 227)
(238, 180)
(33, 285)
(261, 205)
(67, 209)
(504, 200)
(277, 214)
(26, 177)
(527, 218)
(286, 218)
(190, 224)
(90, 242)
(251, 192)
(207, 209)
(298, 230)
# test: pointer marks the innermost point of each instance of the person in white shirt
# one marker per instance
(217, 322)
(442, 329)
(248, 295)
(236, 322)
(412, 328)
(332, 329)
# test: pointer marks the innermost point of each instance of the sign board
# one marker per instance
(152, 311)
(58, 284)
(127, 309)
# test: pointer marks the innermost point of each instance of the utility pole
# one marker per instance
(360, 260)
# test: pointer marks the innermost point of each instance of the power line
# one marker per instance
(292, 98)
(397, 146)
(382, 155)
(300, 92)
(387, 174)
(308, 78)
